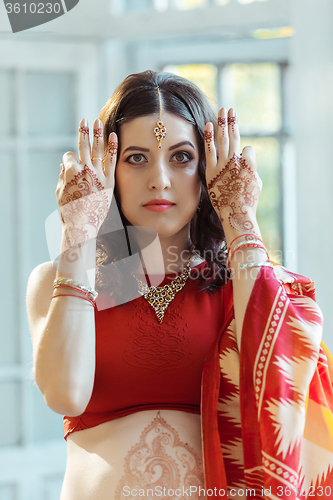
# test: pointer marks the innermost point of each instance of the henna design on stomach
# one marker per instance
(160, 460)
(235, 187)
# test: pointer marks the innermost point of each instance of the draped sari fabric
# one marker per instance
(267, 421)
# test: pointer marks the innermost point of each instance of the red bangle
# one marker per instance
(70, 295)
(247, 234)
(247, 245)
(74, 288)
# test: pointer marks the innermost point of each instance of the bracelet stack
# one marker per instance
(265, 263)
(85, 292)
(246, 241)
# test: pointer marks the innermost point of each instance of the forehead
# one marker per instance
(141, 131)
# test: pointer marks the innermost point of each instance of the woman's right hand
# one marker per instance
(85, 186)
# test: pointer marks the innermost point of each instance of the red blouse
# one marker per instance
(143, 365)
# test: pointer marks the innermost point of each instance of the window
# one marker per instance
(255, 91)
(161, 5)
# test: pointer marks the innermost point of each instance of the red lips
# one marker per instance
(158, 205)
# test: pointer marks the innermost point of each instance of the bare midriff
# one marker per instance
(148, 454)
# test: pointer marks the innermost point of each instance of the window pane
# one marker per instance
(138, 5)
(254, 91)
(46, 423)
(202, 75)
(269, 208)
(10, 432)
(8, 492)
(190, 4)
(50, 103)
(7, 111)
(45, 168)
(9, 352)
(250, 1)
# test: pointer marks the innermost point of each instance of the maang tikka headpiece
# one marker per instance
(160, 130)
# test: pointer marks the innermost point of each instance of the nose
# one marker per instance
(159, 176)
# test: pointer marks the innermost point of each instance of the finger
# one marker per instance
(98, 146)
(84, 143)
(210, 150)
(111, 157)
(69, 160)
(222, 134)
(249, 155)
(233, 131)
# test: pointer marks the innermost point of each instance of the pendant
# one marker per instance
(159, 297)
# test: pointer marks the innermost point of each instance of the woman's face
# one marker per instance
(159, 188)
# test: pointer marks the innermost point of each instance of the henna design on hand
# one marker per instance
(84, 205)
(98, 133)
(160, 459)
(232, 120)
(84, 131)
(222, 122)
(209, 137)
(83, 183)
(112, 149)
(235, 187)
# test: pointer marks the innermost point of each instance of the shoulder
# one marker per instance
(42, 275)
(39, 288)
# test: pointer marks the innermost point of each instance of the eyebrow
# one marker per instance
(135, 148)
(183, 143)
(139, 148)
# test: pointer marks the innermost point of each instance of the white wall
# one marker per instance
(312, 80)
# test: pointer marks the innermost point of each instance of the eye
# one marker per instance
(182, 157)
(136, 159)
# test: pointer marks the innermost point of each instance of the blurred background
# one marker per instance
(270, 59)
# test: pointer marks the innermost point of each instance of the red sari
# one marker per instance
(267, 422)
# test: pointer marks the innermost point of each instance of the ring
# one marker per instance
(96, 158)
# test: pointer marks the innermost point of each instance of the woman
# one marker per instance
(131, 375)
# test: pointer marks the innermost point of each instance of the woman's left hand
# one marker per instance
(232, 180)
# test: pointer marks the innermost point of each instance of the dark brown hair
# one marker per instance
(137, 96)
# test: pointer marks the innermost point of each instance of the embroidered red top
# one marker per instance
(142, 364)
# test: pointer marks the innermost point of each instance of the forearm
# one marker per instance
(62, 321)
(243, 275)
(64, 354)
(243, 282)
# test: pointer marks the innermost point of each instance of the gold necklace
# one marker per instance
(159, 297)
